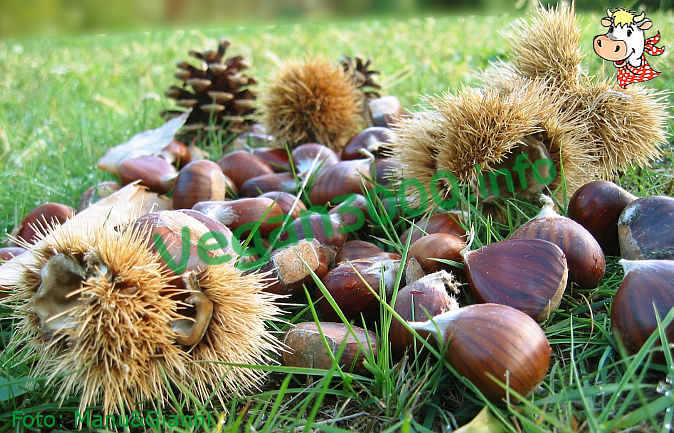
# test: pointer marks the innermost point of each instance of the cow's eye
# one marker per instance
(629, 33)
(610, 29)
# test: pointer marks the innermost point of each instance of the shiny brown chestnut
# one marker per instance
(352, 211)
(348, 284)
(241, 166)
(200, 180)
(309, 158)
(95, 193)
(291, 267)
(448, 222)
(647, 283)
(584, 256)
(289, 203)
(327, 229)
(372, 141)
(427, 248)
(597, 206)
(307, 349)
(255, 186)
(387, 172)
(236, 213)
(527, 274)
(385, 111)
(419, 301)
(492, 341)
(343, 178)
(156, 173)
(39, 220)
(645, 229)
(357, 249)
(277, 159)
(176, 153)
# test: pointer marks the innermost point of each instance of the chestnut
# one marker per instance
(154, 172)
(427, 248)
(327, 229)
(38, 221)
(340, 179)
(289, 203)
(597, 206)
(356, 249)
(277, 159)
(241, 166)
(448, 222)
(647, 283)
(95, 193)
(387, 172)
(527, 274)
(200, 180)
(176, 153)
(416, 301)
(645, 229)
(385, 111)
(8, 253)
(488, 342)
(352, 211)
(584, 256)
(309, 158)
(348, 284)
(255, 186)
(306, 347)
(372, 140)
(291, 267)
(236, 213)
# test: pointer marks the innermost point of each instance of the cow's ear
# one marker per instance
(645, 24)
(606, 22)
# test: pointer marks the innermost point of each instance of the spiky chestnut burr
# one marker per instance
(218, 92)
(522, 129)
(116, 338)
(311, 101)
(546, 45)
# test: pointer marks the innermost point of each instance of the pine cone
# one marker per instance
(217, 91)
(361, 77)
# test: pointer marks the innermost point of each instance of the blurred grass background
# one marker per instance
(20, 18)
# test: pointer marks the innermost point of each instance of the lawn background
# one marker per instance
(65, 100)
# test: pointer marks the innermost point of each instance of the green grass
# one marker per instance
(65, 101)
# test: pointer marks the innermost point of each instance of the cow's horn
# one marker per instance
(639, 18)
(609, 13)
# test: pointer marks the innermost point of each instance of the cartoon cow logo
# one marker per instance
(624, 44)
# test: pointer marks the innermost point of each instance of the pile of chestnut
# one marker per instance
(255, 191)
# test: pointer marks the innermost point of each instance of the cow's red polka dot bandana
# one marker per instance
(628, 74)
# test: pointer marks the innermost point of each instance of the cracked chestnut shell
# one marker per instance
(645, 229)
(583, 253)
(527, 274)
(307, 349)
